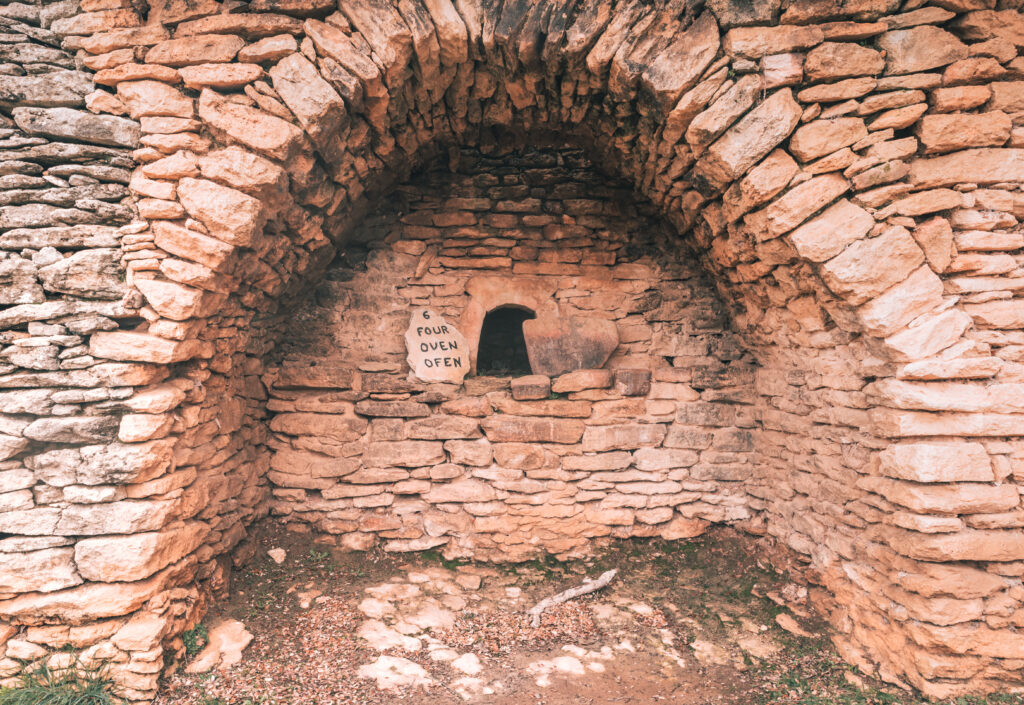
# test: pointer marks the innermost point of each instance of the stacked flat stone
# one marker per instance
(497, 468)
(849, 174)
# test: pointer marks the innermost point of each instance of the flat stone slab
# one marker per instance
(559, 345)
(437, 351)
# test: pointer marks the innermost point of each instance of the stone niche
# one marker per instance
(613, 400)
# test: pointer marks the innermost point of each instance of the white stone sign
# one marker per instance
(438, 352)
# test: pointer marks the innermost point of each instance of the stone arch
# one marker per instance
(790, 150)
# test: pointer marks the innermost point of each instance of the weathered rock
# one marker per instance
(834, 60)
(65, 123)
(559, 345)
(945, 133)
(437, 351)
(919, 49)
(52, 90)
(748, 141)
(937, 462)
(524, 429)
(252, 128)
(229, 215)
(828, 234)
(95, 274)
(153, 98)
(220, 76)
(138, 556)
(854, 274)
(318, 107)
(821, 137)
(38, 571)
(227, 639)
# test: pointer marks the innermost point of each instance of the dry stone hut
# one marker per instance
(747, 262)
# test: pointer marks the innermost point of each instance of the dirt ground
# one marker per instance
(683, 623)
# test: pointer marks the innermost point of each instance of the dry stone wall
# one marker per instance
(500, 467)
(847, 173)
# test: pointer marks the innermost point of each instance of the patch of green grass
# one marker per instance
(45, 686)
(435, 556)
(195, 639)
(317, 558)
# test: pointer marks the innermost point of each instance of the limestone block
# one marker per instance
(195, 247)
(407, 454)
(854, 274)
(477, 453)
(749, 140)
(38, 571)
(79, 125)
(188, 51)
(318, 107)
(949, 132)
(957, 498)
(337, 428)
(632, 382)
(138, 556)
(623, 436)
(524, 429)
(580, 380)
(82, 604)
(54, 89)
(142, 347)
(442, 427)
(795, 206)
(930, 334)
(143, 632)
(937, 462)
(461, 491)
(820, 137)
(123, 517)
(755, 42)
(250, 26)
(968, 545)
(245, 171)
(153, 98)
(269, 49)
(678, 67)
(887, 313)
(83, 429)
(559, 345)
(19, 282)
(834, 60)
(531, 387)
(760, 185)
(308, 464)
(826, 235)
(935, 236)
(919, 49)
(230, 215)
(261, 132)
(978, 166)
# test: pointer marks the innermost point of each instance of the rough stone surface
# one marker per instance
(816, 300)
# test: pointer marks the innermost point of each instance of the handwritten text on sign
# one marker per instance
(437, 352)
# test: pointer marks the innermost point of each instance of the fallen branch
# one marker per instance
(588, 586)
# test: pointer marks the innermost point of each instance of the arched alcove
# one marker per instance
(502, 347)
(877, 437)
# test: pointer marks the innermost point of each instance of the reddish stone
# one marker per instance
(531, 387)
(632, 383)
(524, 429)
(559, 345)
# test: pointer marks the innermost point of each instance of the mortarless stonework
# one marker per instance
(847, 175)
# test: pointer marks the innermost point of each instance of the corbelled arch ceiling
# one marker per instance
(849, 173)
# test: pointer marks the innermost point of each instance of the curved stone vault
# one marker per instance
(848, 174)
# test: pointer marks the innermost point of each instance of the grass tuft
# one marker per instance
(65, 686)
